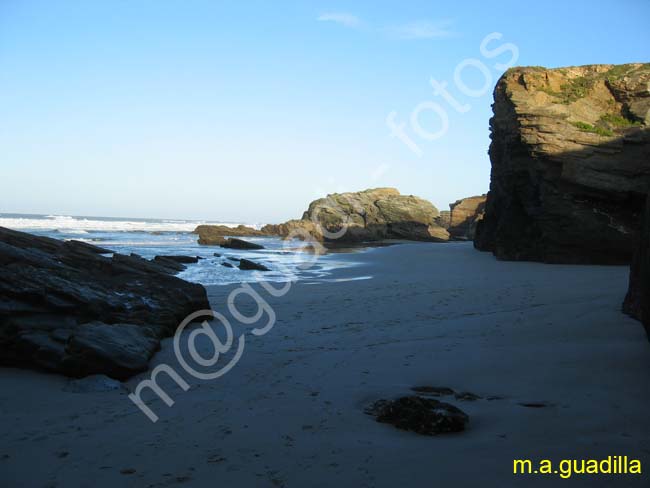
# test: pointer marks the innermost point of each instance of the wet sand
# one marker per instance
(291, 412)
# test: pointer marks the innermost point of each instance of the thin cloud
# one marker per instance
(422, 29)
(342, 18)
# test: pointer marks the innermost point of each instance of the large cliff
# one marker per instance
(570, 156)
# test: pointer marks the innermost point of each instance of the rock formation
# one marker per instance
(425, 416)
(246, 264)
(570, 160)
(67, 308)
(175, 264)
(443, 219)
(637, 300)
(369, 215)
(179, 259)
(215, 235)
(234, 243)
(464, 215)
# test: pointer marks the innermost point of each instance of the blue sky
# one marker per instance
(246, 111)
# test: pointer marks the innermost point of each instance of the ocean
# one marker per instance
(152, 237)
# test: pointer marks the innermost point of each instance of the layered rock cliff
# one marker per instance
(67, 307)
(570, 156)
(464, 216)
(370, 215)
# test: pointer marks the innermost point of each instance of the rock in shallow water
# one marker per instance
(180, 259)
(234, 243)
(216, 234)
(246, 264)
(424, 416)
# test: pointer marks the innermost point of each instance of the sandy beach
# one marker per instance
(291, 412)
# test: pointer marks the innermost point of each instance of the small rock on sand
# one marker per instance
(424, 416)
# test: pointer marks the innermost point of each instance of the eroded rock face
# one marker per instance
(370, 215)
(570, 160)
(464, 215)
(294, 228)
(67, 308)
(637, 300)
(444, 219)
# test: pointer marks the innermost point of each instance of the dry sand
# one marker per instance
(291, 413)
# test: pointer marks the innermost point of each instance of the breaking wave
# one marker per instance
(83, 225)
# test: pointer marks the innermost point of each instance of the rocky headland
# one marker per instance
(365, 216)
(570, 156)
(70, 307)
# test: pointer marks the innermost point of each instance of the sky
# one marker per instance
(246, 111)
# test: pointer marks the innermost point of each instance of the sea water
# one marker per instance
(152, 237)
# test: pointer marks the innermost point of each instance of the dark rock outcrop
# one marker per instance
(637, 300)
(424, 416)
(246, 264)
(464, 216)
(180, 259)
(234, 243)
(67, 308)
(369, 215)
(570, 157)
(117, 350)
(176, 264)
(169, 265)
